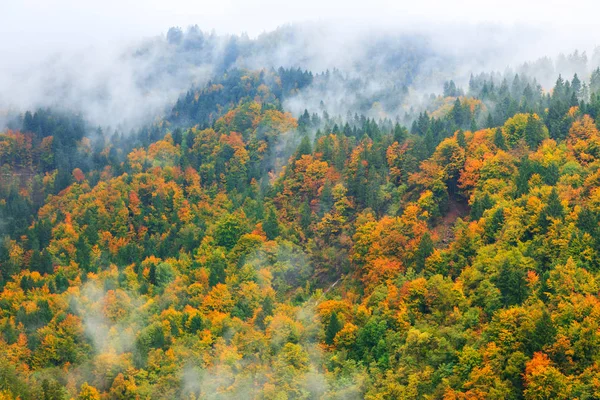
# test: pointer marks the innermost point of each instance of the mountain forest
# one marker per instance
(234, 247)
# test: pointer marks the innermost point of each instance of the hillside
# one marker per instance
(232, 249)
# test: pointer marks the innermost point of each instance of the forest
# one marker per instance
(239, 247)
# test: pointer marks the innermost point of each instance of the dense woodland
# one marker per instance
(234, 250)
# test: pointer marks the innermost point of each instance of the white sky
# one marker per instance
(31, 26)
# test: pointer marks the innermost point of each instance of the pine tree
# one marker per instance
(595, 82)
(326, 200)
(304, 148)
(305, 215)
(543, 334)
(400, 133)
(576, 86)
(522, 181)
(551, 174)
(499, 140)
(534, 132)
(83, 254)
(490, 121)
(552, 210)
(473, 125)
(460, 138)
(494, 224)
(333, 328)
(554, 207)
(265, 311)
(152, 274)
(512, 284)
(271, 224)
(424, 250)
(480, 205)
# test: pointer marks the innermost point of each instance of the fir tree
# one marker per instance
(333, 328)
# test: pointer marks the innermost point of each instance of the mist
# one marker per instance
(124, 77)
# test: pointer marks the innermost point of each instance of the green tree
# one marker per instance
(512, 284)
(271, 224)
(499, 140)
(535, 132)
(228, 230)
(333, 327)
(304, 148)
(400, 133)
(424, 250)
(216, 264)
(83, 254)
(552, 210)
(460, 138)
(543, 334)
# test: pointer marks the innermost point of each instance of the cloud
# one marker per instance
(92, 59)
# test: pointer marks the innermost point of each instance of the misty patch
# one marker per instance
(127, 86)
(108, 317)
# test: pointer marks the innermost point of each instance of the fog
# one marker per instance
(116, 63)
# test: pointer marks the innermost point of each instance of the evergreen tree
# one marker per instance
(494, 224)
(534, 132)
(400, 133)
(271, 224)
(551, 174)
(595, 82)
(333, 328)
(543, 334)
(480, 205)
(576, 86)
(216, 265)
(499, 140)
(326, 200)
(304, 148)
(512, 284)
(83, 254)
(490, 121)
(554, 207)
(305, 215)
(460, 138)
(552, 210)
(424, 250)
(266, 310)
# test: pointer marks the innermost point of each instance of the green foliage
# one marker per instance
(333, 327)
(370, 262)
(228, 230)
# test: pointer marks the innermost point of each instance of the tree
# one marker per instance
(304, 148)
(424, 250)
(576, 86)
(543, 334)
(333, 327)
(512, 284)
(595, 81)
(460, 138)
(400, 133)
(271, 224)
(552, 210)
(480, 205)
(266, 310)
(535, 131)
(216, 264)
(83, 254)
(499, 141)
(88, 392)
(305, 215)
(544, 381)
(228, 230)
(52, 390)
(164, 274)
(494, 224)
